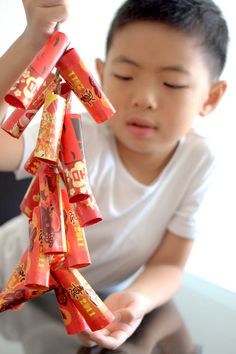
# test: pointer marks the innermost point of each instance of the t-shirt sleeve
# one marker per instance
(186, 220)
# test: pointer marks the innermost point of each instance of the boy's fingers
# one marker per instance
(128, 314)
(52, 3)
(112, 341)
(124, 316)
(85, 340)
(53, 14)
(46, 3)
(51, 10)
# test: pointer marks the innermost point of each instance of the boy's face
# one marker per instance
(158, 81)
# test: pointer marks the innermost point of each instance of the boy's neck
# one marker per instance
(144, 167)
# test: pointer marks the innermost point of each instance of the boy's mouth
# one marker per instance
(141, 123)
(141, 127)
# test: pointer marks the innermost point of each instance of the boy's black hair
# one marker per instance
(198, 18)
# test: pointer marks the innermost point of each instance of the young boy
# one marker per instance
(149, 170)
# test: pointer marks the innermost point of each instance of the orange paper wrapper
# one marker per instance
(32, 164)
(91, 307)
(73, 320)
(38, 269)
(77, 255)
(29, 83)
(48, 143)
(15, 293)
(53, 229)
(73, 70)
(31, 198)
(87, 212)
(20, 118)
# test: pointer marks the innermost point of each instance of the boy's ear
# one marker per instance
(100, 69)
(216, 92)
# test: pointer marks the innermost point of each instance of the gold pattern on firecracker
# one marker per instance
(48, 142)
(76, 81)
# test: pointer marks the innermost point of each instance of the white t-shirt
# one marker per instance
(136, 216)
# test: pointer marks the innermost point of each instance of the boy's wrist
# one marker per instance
(147, 304)
(31, 42)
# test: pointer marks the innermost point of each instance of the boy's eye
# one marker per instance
(122, 77)
(172, 86)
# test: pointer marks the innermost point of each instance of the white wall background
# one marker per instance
(214, 254)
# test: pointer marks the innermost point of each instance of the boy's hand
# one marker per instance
(129, 309)
(42, 17)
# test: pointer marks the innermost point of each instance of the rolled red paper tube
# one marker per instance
(18, 276)
(29, 83)
(38, 269)
(31, 198)
(32, 164)
(53, 229)
(75, 173)
(13, 299)
(87, 212)
(56, 259)
(48, 142)
(73, 320)
(72, 139)
(76, 181)
(18, 121)
(77, 255)
(65, 92)
(91, 307)
(15, 293)
(73, 70)
(53, 284)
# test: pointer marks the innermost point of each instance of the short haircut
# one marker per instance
(198, 18)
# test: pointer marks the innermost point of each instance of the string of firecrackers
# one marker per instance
(59, 202)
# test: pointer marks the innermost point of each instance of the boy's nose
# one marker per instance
(145, 99)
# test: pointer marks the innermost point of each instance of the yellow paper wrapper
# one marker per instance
(48, 142)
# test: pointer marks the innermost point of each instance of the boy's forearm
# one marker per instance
(12, 64)
(11, 151)
(157, 283)
(42, 17)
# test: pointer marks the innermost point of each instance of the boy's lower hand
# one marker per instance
(129, 309)
(42, 17)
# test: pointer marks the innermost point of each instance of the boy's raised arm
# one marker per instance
(42, 17)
